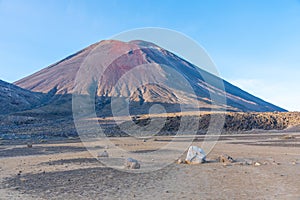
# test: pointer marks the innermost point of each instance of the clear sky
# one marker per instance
(254, 43)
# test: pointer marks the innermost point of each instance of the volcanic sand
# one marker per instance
(267, 167)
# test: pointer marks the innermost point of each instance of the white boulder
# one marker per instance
(195, 155)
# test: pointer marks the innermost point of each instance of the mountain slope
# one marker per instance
(155, 64)
(13, 98)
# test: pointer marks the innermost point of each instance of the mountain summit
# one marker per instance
(142, 72)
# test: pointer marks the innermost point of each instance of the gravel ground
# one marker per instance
(75, 174)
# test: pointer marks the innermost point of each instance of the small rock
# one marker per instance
(248, 162)
(180, 161)
(29, 145)
(277, 163)
(23, 179)
(225, 159)
(288, 137)
(257, 164)
(103, 154)
(131, 163)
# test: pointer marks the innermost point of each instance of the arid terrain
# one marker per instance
(107, 100)
(266, 167)
(149, 106)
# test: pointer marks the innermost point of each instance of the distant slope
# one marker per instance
(59, 78)
(13, 98)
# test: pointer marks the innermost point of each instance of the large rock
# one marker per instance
(195, 155)
(131, 163)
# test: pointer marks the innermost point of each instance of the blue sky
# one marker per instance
(254, 43)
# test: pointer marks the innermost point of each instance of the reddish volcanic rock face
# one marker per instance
(143, 72)
(118, 68)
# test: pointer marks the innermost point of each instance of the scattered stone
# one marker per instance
(29, 145)
(257, 164)
(248, 162)
(131, 163)
(195, 155)
(276, 163)
(103, 154)
(23, 179)
(180, 161)
(144, 140)
(225, 159)
(288, 137)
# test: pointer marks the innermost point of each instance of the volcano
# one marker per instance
(145, 74)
